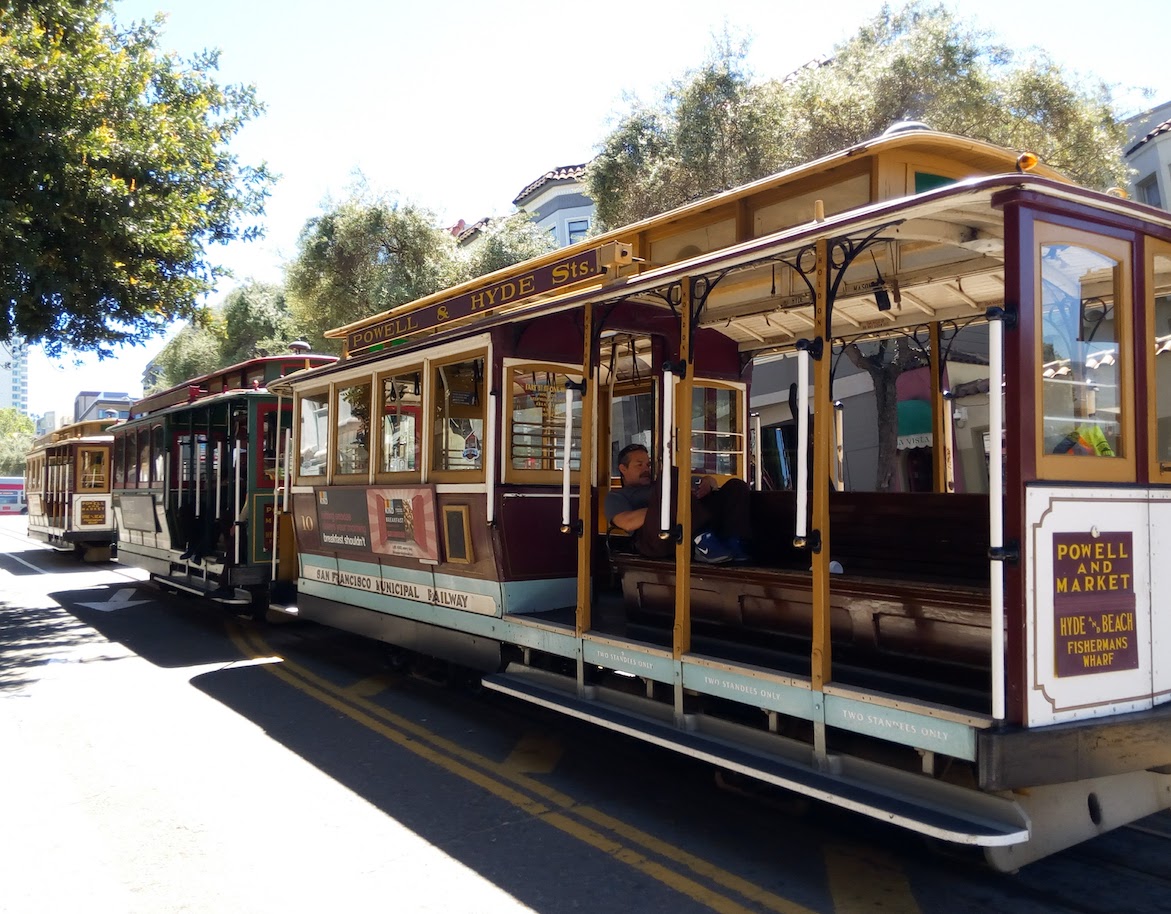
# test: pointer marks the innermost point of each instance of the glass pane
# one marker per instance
(538, 421)
(716, 436)
(314, 434)
(459, 415)
(157, 456)
(93, 470)
(353, 429)
(1080, 354)
(1163, 356)
(119, 461)
(401, 398)
(632, 421)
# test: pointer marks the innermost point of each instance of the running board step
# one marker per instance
(914, 801)
(229, 596)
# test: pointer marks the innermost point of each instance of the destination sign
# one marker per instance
(549, 278)
(1094, 603)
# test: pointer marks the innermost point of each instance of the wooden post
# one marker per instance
(681, 643)
(942, 445)
(823, 421)
(585, 477)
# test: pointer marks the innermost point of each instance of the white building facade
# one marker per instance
(14, 375)
(1148, 152)
(557, 202)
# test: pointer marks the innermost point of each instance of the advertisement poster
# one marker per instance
(391, 520)
(403, 521)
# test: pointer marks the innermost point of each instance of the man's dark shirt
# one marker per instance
(627, 498)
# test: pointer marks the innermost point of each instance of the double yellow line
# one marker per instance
(699, 879)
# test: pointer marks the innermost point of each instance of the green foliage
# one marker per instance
(256, 322)
(362, 257)
(14, 422)
(370, 253)
(13, 449)
(253, 321)
(195, 350)
(16, 439)
(504, 242)
(716, 128)
(117, 176)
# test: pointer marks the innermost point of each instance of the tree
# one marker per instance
(16, 439)
(370, 253)
(254, 320)
(716, 128)
(504, 242)
(194, 351)
(362, 257)
(117, 176)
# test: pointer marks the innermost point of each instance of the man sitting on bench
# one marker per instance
(720, 518)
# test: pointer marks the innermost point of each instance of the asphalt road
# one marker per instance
(157, 755)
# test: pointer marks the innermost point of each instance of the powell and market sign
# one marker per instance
(545, 279)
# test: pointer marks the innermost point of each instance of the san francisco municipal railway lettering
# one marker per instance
(408, 590)
(1094, 603)
(549, 278)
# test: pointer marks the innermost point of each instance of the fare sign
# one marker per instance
(93, 513)
(1094, 603)
(548, 278)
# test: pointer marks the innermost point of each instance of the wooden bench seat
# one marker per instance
(914, 582)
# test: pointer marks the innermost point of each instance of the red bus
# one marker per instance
(12, 495)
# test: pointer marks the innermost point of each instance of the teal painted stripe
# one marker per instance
(538, 596)
(796, 701)
(905, 727)
(468, 585)
(560, 644)
(629, 660)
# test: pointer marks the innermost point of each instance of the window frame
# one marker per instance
(401, 476)
(740, 390)
(313, 394)
(335, 392)
(1159, 470)
(511, 474)
(429, 397)
(1081, 468)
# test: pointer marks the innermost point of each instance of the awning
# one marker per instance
(914, 424)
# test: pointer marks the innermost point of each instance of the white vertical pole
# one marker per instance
(802, 443)
(490, 459)
(288, 467)
(565, 454)
(666, 450)
(218, 477)
(996, 508)
(757, 450)
(236, 503)
(195, 464)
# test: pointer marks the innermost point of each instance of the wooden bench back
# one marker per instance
(926, 536)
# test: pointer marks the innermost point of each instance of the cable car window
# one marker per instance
(157, 455)
(119, 461)
(352, 416)
(717, 439)
(458, 410)
(93, 470)
(536, 439)
(401, 398)
(1161, 287)
(313, 438)
(1080, 352)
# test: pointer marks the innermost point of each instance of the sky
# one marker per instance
(457, 105)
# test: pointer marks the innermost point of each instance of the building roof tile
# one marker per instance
(564, 173)
(1162, 128)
